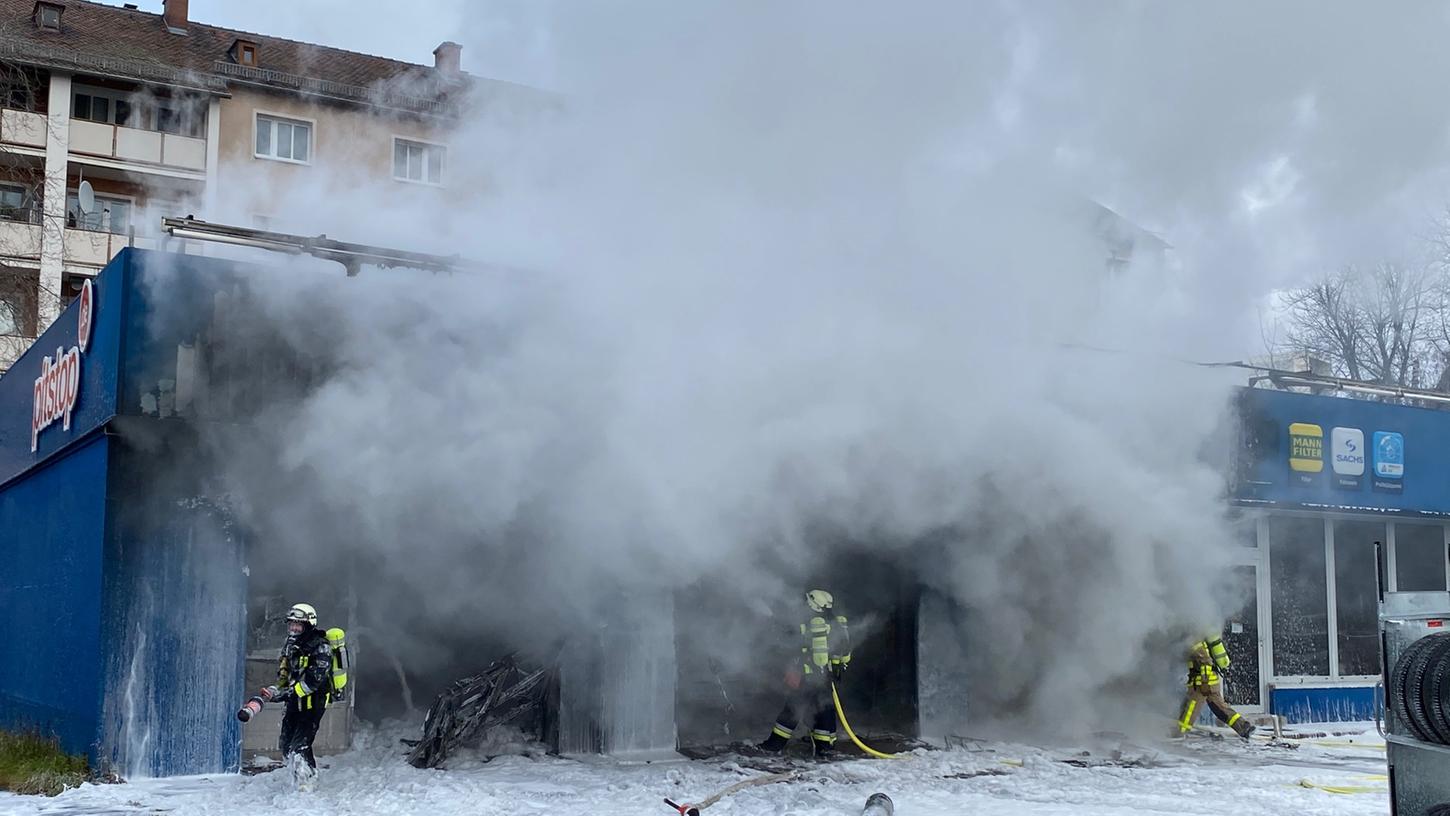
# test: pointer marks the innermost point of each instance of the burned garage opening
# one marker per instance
(736, 649)
(159, 452)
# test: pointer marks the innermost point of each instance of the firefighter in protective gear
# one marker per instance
(1206, 658)
(825, 654)
(304, 683)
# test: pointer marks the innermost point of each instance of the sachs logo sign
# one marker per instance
(59, 383)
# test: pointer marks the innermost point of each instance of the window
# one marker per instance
(1299, 608)
(244, 52)
(418, 161)
(17, 90)
(283, 139)
(16, 204)
(107, 107)
(92, 108)
(182, 122)
(47, 15)
(18, 300)
(111, 214)
(1419, 557)
(1357, 596)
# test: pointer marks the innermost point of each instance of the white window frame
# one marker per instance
(141, 116)
(179, 107)
(258, 115)
(442, 164)
(129, 199)
(1334, 679)
(25, 193)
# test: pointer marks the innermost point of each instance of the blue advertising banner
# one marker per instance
(1315, 452)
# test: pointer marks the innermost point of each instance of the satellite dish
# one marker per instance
(86, 197)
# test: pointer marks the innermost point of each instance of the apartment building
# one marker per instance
(162, 115)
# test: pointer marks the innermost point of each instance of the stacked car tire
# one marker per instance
(1419, 690)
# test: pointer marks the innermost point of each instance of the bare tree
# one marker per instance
(1322, 322)
(1373, 324)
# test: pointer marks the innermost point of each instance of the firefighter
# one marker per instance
(304, 683)
(1206, 658)
(825, 654)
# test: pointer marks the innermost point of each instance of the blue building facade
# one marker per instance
(1323, 484)
(123, 595)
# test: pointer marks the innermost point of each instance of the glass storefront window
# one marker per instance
(1357, 596)
(1420, 557)
(1299, 607)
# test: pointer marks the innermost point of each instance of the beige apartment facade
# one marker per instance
(160, 115)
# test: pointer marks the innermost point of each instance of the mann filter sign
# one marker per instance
(1306, 453)
(1346, 447)
(59, 383)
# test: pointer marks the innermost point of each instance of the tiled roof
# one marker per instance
(137, 44)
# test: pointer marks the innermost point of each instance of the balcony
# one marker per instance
(22, 128)
(92, 248)
(132, 145)
(19, 239)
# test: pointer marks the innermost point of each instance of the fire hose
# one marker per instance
(841, 713)
(689, 809)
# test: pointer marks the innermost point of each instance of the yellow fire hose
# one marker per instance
(1347, 789)
(841, 713)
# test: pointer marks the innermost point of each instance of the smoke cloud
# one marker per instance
(797, 280)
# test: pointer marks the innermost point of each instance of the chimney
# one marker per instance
(446, 59)
(173, 12)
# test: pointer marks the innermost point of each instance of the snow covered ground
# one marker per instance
(1202, 776)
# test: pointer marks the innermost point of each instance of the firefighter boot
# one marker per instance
(1243, 728)
(824, 750)
(776, 742)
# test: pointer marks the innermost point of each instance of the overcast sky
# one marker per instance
(1267, 142)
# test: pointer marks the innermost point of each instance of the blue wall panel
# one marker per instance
(51, 532)
(1344, 704)
(174, 615)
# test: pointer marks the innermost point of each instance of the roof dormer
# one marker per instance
(47, 14)
(243, 52)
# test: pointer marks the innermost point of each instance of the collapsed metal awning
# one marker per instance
(352, 256)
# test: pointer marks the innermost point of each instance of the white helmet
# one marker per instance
(303, 612)
(819, 600)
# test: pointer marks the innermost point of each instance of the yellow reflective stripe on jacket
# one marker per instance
(1204, 675)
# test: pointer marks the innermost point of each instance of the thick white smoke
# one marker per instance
(802, 275)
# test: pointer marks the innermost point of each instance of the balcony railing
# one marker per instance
(23, 128)
(93, 248)
(135, 145)
(150, 147)
(19, 238)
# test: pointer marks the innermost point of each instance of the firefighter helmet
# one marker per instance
(304, 613)
(819, 600)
